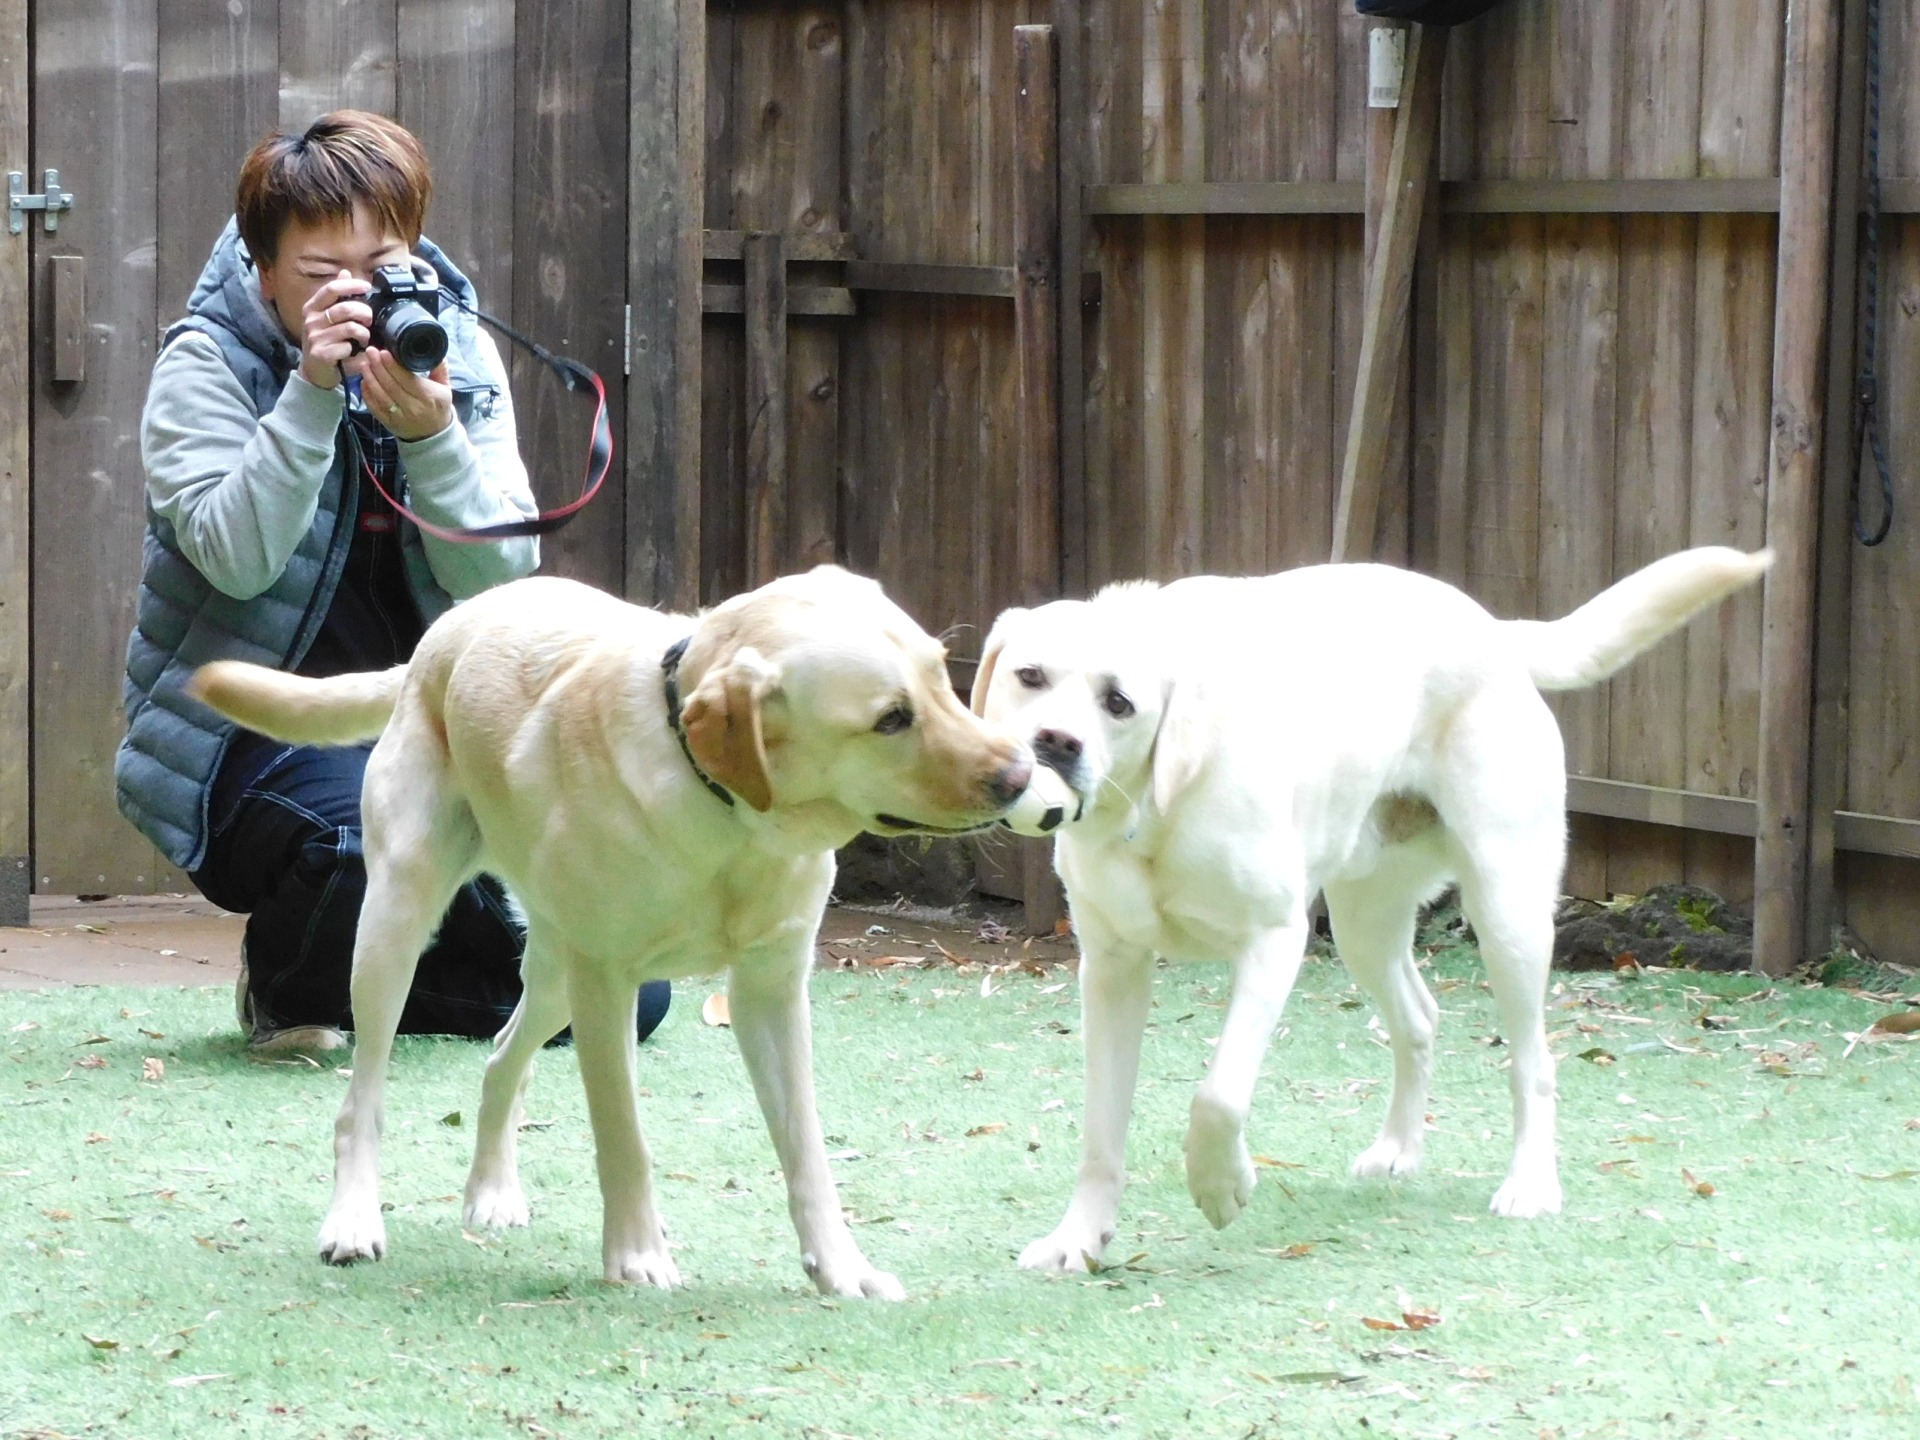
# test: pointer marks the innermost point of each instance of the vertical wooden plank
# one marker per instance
(1653, 440)
(1174, 283)
(95, 108)
(1733, 309)
(454, 89)
(336, 57)
(812, 44)
(16, 640)
(1827, 779)
(665, 247)
(1069, 26)
(219, 94)
(765, 253)
(1577, 463)
(1036, 305)
(1793, 484)
(861, 422)
(570, 237)
(1115, 405)
(1454, 315)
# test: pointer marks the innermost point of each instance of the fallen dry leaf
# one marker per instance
(1268, 1162)
(974, 1075)
(94, 1137)
(715, 1010)
(1625, 964)
(98, 1040)
(153, 1068)
(1702, 1188)
(1372, 1324)
(992, 1127)
(26, 1025)
(1597, 1056)
(99, 1342)
(1417, 1317)
(1900, 1022)
(1290, 1252)
(91, 1062)
(58, 1215)
(1063, 927)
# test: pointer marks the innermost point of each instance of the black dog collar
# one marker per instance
(670, 677)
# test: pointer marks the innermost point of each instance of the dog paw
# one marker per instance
(1073, 1249)
(353, 1232)
(1387, 1158)
(1526, 1196)
(854, 1278)
(494, 1206)
(653, 1267)
(1219, 1171)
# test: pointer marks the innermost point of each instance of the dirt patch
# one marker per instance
(1679, 926)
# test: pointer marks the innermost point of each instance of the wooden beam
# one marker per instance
(801, 300)
(1752, 196)
(681, 582)
(1383, 333)
(1807, 126)
(766, 311)
(16, 404)
(1036, 324)
(1833, 601)
(1853, 831)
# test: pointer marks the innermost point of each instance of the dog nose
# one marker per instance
(1057, 749)
(1010, 782)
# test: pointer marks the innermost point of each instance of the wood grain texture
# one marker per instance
(570, 237)
(16, 390)
(337, 57)
(219, 84)
(95, 107)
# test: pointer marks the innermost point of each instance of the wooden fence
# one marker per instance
(786, 233)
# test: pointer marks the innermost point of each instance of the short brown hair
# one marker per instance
(344, 158)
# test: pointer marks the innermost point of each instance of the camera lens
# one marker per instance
(417, 340)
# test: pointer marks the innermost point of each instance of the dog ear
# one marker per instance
(722, 721)
(990, 657)
(1182, 743)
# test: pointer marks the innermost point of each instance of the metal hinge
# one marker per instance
(19, 201)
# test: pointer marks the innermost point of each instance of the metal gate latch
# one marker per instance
(19, 201)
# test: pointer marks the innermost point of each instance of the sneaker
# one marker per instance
(315, 1038)
(266, 1040)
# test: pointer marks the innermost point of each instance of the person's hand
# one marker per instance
(335, 324)
(412, 406)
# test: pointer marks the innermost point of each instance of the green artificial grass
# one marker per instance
(160, 1276)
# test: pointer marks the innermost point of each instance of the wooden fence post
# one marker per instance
(765, 254)
(1807, 125)
(16, 399)
(1834, 597)
(1384, 313)
(1036, 311)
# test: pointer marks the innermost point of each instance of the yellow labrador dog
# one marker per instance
(1237, 746)
(663, 796)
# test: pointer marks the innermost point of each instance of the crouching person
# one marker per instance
(269, 411)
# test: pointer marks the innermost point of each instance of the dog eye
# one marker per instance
(1031, 676)
(894, 721)
(1117, 705)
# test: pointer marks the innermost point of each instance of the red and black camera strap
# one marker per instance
(576, 377)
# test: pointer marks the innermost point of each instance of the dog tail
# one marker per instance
(339, 710)
(1629, 617)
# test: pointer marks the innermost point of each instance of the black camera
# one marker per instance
(405, 317)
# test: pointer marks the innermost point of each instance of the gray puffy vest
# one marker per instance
(164, 770)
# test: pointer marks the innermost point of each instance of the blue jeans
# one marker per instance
(285, 852)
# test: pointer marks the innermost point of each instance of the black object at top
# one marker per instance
(1427, 12)
(405, 308)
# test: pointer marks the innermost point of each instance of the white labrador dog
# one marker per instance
(534, 735)
(1237, 746)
